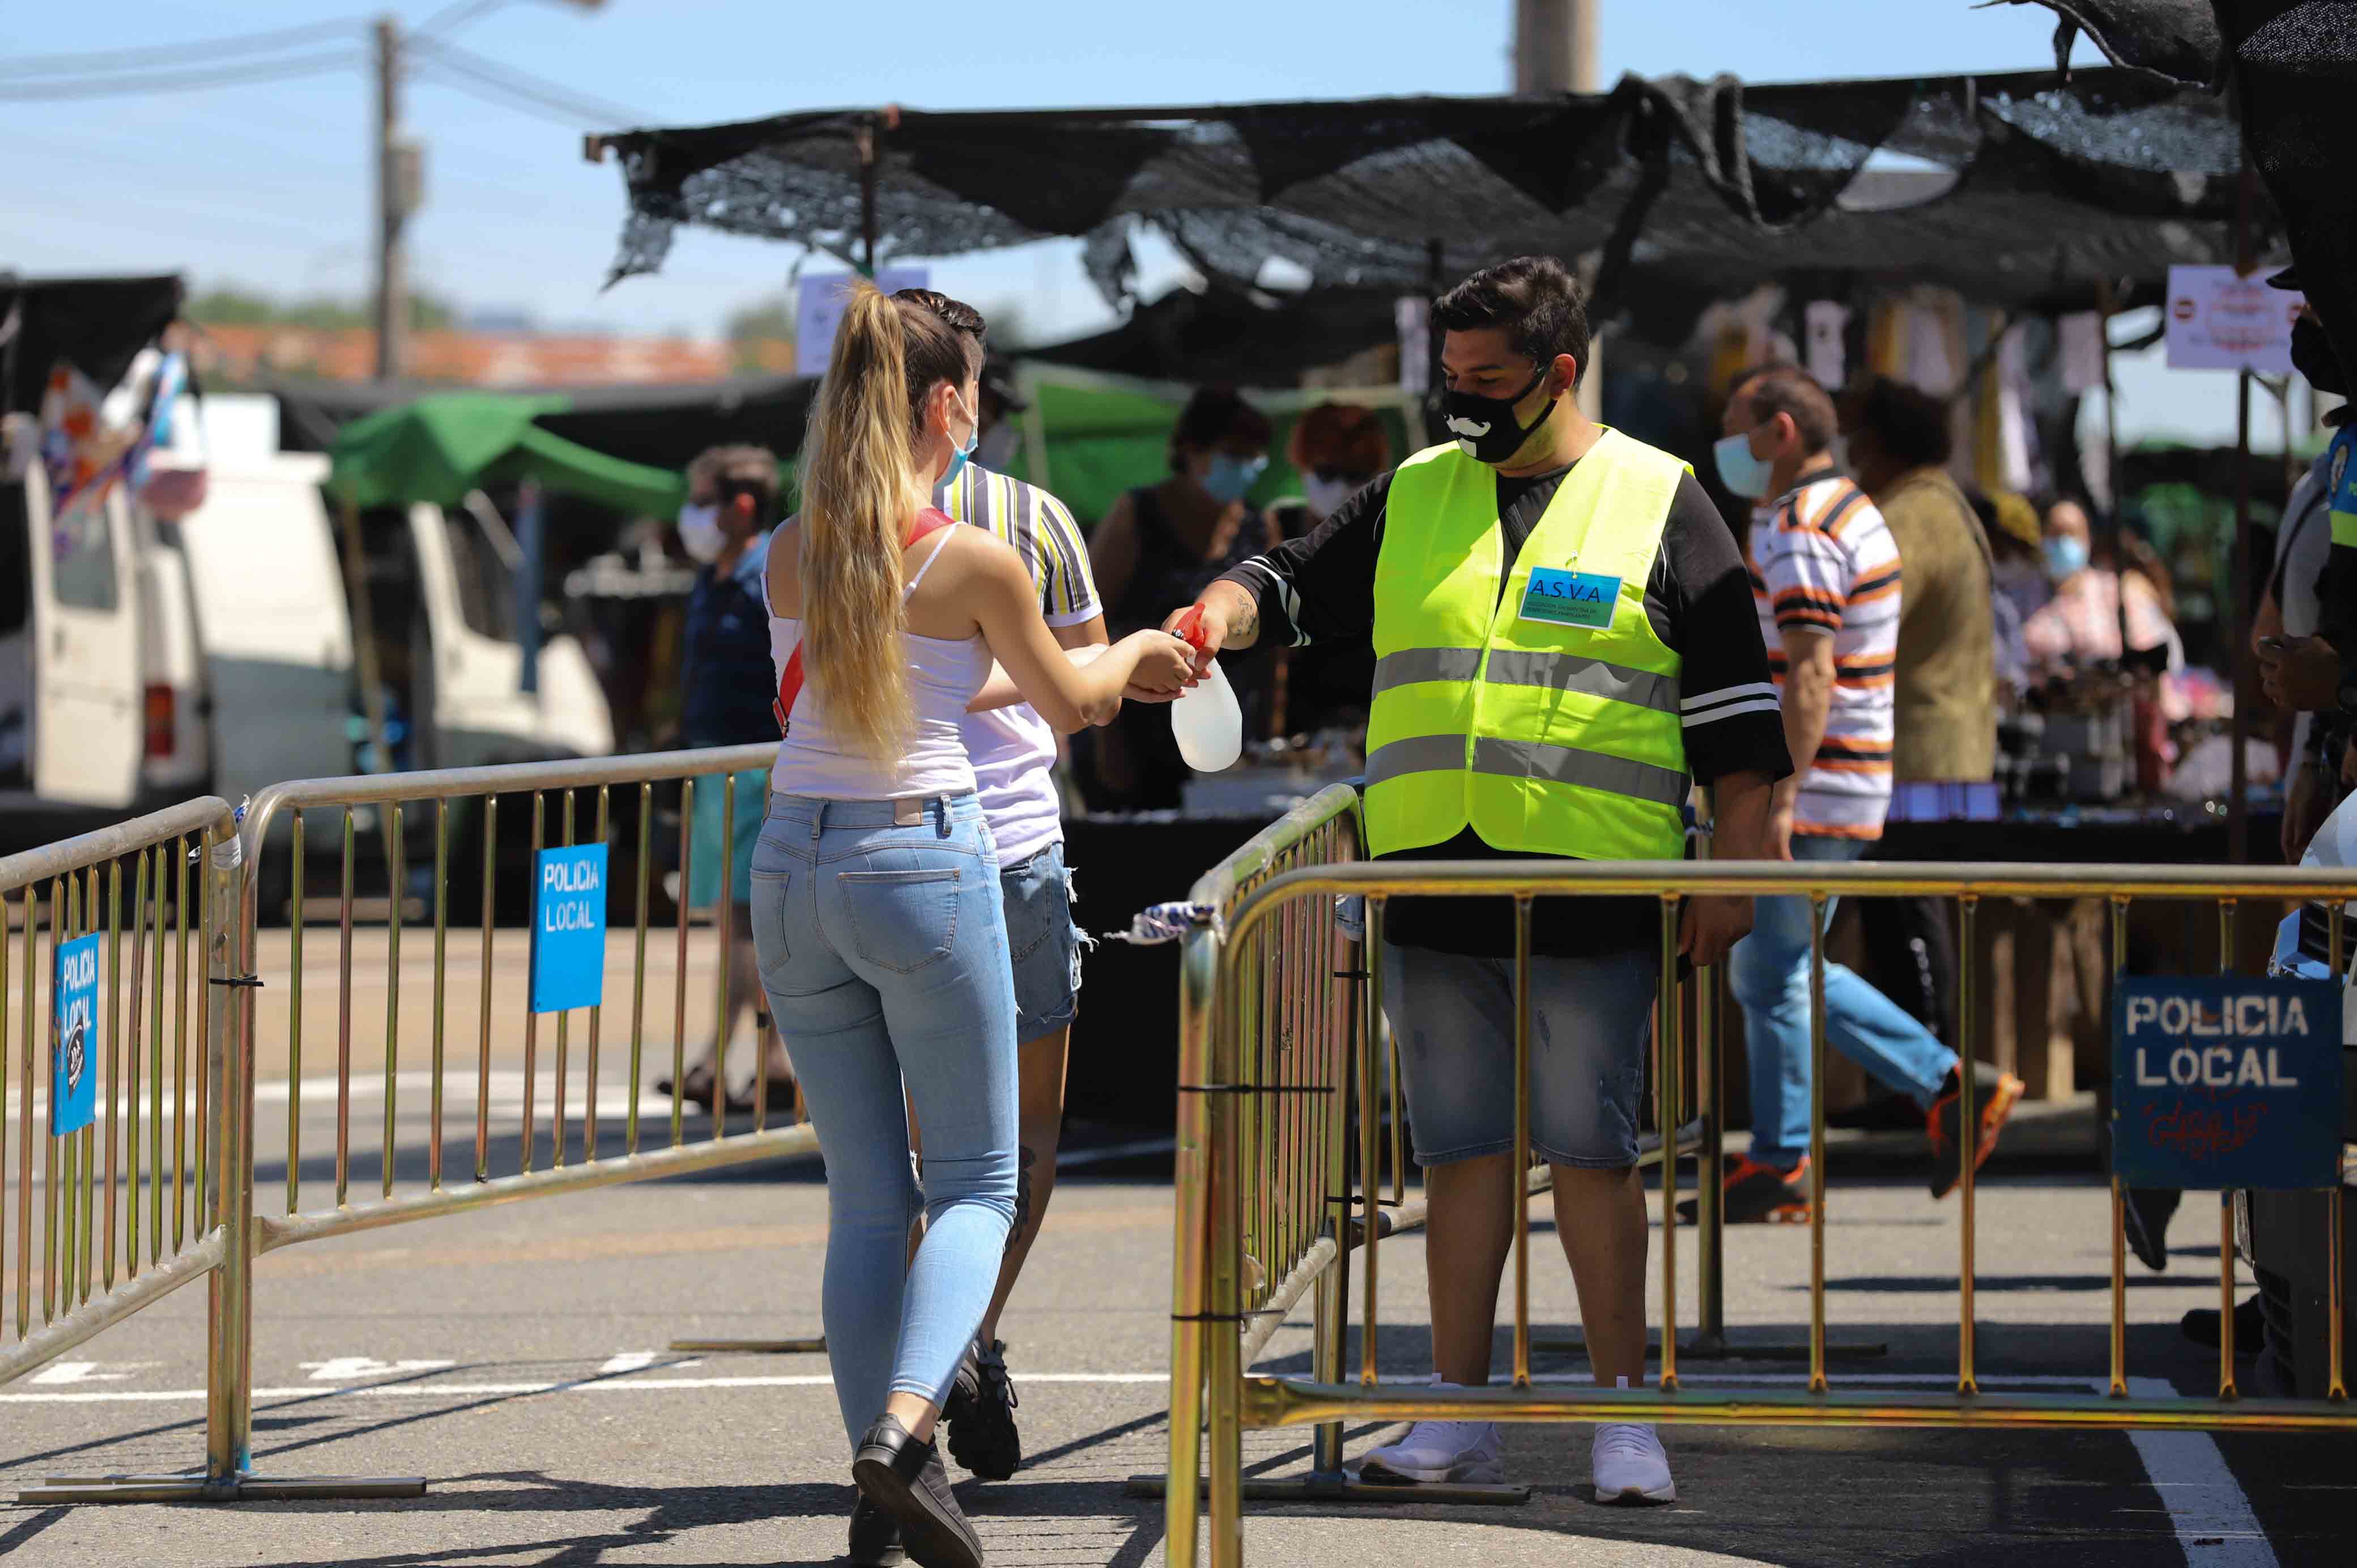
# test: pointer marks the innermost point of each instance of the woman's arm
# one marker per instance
(1001, 692)
(1069, 696)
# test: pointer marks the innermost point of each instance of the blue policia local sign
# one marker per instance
(569, 929)
(2221, 1082)
(73, 1041)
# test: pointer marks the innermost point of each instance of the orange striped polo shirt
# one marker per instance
(1821, 558)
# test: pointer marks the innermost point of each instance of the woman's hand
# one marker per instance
(1162, 667)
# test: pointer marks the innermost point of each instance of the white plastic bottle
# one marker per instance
(1207, 724)
(1206, 720)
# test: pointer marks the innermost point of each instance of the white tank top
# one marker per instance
(944, 673)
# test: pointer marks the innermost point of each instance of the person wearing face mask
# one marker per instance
(2309, 675)
(1565, 645)
(1158, 545)
(1338, 448)
(2080, 627)
(1827, 583)
(1014, 753)
(725, 528)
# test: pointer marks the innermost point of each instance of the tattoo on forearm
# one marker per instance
(1244, 624)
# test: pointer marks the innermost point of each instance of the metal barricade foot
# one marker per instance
(242, 1488)
(752, 1347)
(1340, 1487)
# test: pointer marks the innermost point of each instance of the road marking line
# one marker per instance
(342, 1369)
(85, 1372)
(2215, 1526)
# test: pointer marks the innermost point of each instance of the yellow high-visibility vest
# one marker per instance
(1546, 718)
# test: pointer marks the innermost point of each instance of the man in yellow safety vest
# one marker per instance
(1565, 643)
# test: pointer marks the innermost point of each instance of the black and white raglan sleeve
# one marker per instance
(1320, 587)
(1734, 719)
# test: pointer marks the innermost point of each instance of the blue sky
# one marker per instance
(267, 183)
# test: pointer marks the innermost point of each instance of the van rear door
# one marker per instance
(272, 622)
(86, 729)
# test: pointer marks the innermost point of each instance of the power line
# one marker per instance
(178, 54)
(452, 18)
(523, 86)
(186, 81)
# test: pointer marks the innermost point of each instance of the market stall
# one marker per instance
(2028, 194)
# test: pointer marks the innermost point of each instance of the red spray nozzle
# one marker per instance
(1190, 629)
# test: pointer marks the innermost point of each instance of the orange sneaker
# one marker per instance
(1995, 1094)
(1754, 1194)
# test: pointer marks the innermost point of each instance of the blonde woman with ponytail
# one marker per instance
(877, 912)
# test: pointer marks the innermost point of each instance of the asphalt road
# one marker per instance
(516, 1357)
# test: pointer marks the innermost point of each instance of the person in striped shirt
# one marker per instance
(1827, 579)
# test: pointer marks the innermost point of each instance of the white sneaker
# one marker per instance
(1627, 1466)
(1467, 1451)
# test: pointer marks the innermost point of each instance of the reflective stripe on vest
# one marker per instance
(1543, 736)
(1558, 671)
(1527, 759)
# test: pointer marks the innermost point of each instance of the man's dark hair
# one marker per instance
(956, 314)
(1216, 416)
(1909, 425)
(1771, 389)
(1533, 298)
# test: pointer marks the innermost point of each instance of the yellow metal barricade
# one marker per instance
(126, 1209)
(558, 1144)
(1249, 1244)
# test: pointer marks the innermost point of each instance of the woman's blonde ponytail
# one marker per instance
(859, 491)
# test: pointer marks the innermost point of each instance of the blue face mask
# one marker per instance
(1228, 477)
(2066, 556)
(959, 457)
(1739, 471)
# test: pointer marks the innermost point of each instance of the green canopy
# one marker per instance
(438, 448)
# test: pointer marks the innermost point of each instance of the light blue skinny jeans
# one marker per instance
(883, 949)
(1768, 971)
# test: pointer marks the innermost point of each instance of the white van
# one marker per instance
(144, 661)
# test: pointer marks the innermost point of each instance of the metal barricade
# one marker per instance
(559, 1146)
(1243, 1068)
(127, 1207)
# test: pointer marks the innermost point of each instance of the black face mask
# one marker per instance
(1485, 427)
(2312, 356)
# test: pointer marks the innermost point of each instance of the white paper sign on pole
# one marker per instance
(2220, 321)
(818, 311)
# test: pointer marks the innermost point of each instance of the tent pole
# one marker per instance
(869, 137)
(2238, 803)
(364, 659)
(529, 535)
(1435, 286)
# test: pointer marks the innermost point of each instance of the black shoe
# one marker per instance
(2144, 1214)
(980, 1413)
(905, 1478)
(875, 1536)
(2201, 1325)
(1757, 1195)
(1993, 1094)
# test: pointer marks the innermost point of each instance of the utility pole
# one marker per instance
(1555, 52)
(1554, 46)
(396, 195)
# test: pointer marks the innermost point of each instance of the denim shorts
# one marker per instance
(1044, 943)
(1453, 1017)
